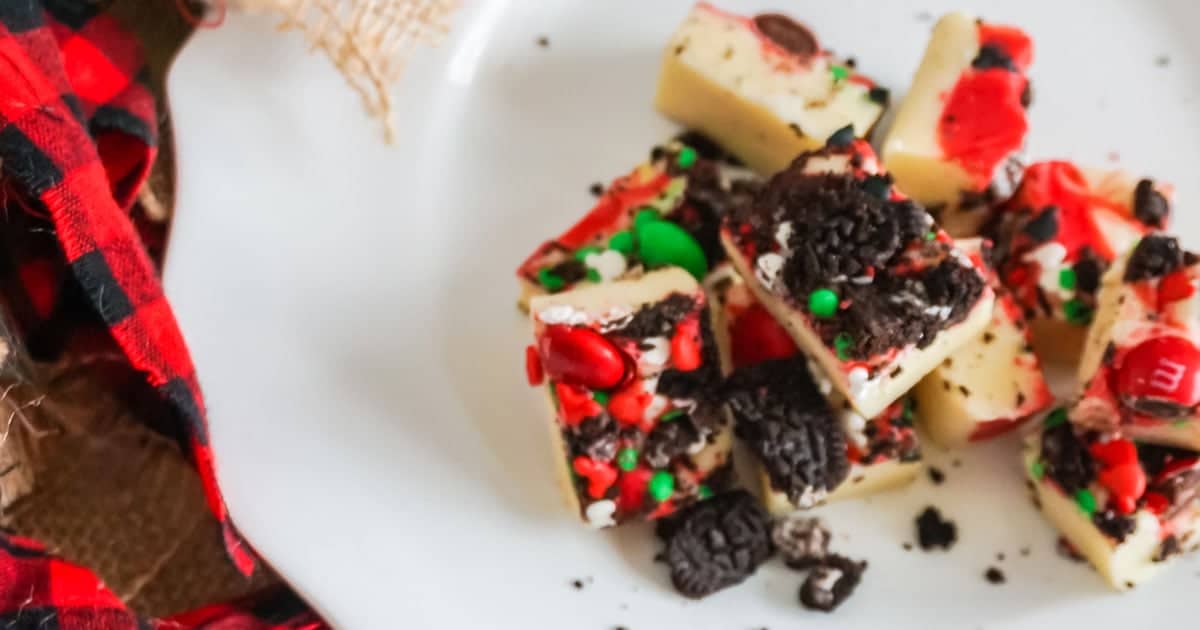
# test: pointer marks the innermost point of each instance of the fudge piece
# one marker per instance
(778, 402)
(1058, 233)
(989, 385)
(762, 86)
(1126, 507)
(953, 145)
(1141, 362)
(664, 212)
(858, 274)
(630, 369)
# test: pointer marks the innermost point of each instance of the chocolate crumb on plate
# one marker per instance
(935, 531)
(543, 41)
(831, 582)
(994, 575)
(716, 543)
(1162, 61)
(1025, 551)
(577, 584)
(597, 189)
(907, 546)
(936, 475)
(1000, 556)
(957, 463)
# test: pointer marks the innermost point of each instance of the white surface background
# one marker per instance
(350, 308)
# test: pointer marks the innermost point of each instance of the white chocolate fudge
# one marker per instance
(963, 121)
(1140, 371)
(990, 385)
(858, 274)
(629, 369)
(1127, 510)
(761, 86)
(665, 212)
(1058, 233)
(880, 453)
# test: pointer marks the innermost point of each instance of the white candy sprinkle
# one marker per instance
(767, 269)
(600, 513)
(610, 264)
(783, 233)
(940, 312)
(855, 427)
(860, 382)
(562, 314)
(656, 356)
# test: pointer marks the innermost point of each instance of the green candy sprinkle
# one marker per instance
(823, 303)
(661, 486)
(929, 236)
(1086, 501)
(1077, 312)
(908, 413)
(1037, 470)
(841, 345)
(601, 397)
(1056, 418)
(686, 158)
(671, 415)
(644, 216)
(552, 281)
(840, 73)
(627, 459)
(662, 243)
(593, 275)
(1066, 278)
(622, 242)
(704, 492)
(584, 252)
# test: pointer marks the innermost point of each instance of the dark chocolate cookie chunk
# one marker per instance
(658, 319)
(991, 56)
(1154, 257)
(831, 582)
(1066, 458)
(670, 439)
(802, 541)
(1115, 526)
(935, 531)
(789, 426)
(1150, 206)
(715, 543)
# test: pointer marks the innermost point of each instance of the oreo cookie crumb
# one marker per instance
(802, 542)
(706, 147)
(880, 95)
(1114, 525)
(1088, 269)
(907, 546)
(1025, 551)
(841, 138)
(1066, 458)
(957, 463)
(1150, 206)
(1170, 546)
(1000, 556)
(577, 584)
(715, 543)
(668, 440)
(831, 582)
(1162, 61)
(934, 531)
(543, 41)
(597, 189)
(1027, 94)
(878, 185)
(936, 475)
(994, 575)
(1155, 256)
(786, 422)
(991, 56)
(1044, 226)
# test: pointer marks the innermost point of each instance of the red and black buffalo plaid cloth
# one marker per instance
(78, 133)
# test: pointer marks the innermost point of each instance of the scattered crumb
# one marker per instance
(543, 41)
(935, 531)
(577, 584)
(936, 475)
(1000, 556)
(624, 606)
(1113, 156)
(1025, 551)
(994, 575)
(1129, 584)
(957, 463)
(924, 16)
(1162, 61)
(907, 546)
(597, 189)
(620, 628)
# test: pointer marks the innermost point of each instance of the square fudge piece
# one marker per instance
(1140, 370)
(989, 385)
(778, 416)
(1056, 236)
(665, 212)
(630, 371)
(761, 86)
(1126, 507)
(859, 275)
(953, 146)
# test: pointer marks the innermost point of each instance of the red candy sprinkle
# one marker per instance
(631, 490)
(685, 345)
(581, 356)
(533, 366)
(628, 404)
(1126, 482)
(1156, 502)
(1115, 452)
(1175, 286)
(600, 475)
(1163, 369)
(757, 337)
(575, 404)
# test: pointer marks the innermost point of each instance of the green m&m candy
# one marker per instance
(686, 157)
(622, 242)
(662, 243)
(823, 303)
(644, 216)
(662, 486)
(627, 459)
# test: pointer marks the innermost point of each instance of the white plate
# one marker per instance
(350, 308)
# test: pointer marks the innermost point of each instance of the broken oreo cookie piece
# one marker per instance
(831, 582)
(715, 543)
(803, 542)
(934, 531)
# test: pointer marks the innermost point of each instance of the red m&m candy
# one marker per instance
(685, 345)
(1160, 376)
(581, 356)
(756, 337)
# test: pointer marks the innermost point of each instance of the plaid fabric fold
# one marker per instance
(78, 134)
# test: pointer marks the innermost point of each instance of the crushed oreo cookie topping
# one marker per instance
(991, 56)
(831, 582)
(788, 425)
(1150, 206)
(1154, 257)
(994, 576)
(801, 540)
(935, 531)
(1115, 526)
(1065, 458)
(716, 543)
(846, 238)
